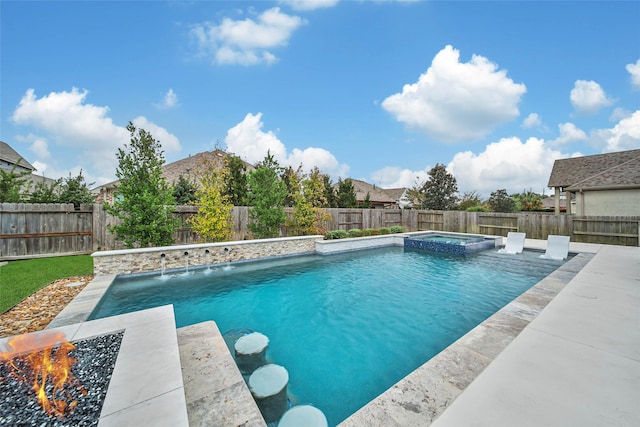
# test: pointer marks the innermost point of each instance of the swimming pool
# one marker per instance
(347, 325)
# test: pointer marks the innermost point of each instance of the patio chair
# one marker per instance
(557, 247)
(515, 243)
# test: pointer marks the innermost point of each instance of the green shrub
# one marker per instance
(355, 232)
(372, 232)
(384, 230)
(336, 234)
(478, 208)
(397, 229)
(366, 232)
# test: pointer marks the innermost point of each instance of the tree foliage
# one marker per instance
(144, 201)
(45, 193)
(235, 181)
(499, 201)
(329, 192)
(184, 191)
(470, 199)
(75, 190)
(266, 195)
(528, 201)
(346, 194)
(438, 192)
(307, 193)
(213, 222)
(11, 185)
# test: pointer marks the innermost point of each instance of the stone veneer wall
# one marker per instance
(150, 259)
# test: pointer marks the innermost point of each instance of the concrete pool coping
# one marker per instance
(421, 397)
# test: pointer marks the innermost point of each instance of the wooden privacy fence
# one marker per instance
(44, 229)
(37, 230)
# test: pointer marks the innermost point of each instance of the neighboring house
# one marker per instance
(380, 198)
(187, 167)
(11, 160)
(600, 185)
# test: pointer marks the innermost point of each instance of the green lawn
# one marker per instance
(19, 279)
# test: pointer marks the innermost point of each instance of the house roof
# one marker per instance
(186, 167)
(12, 157)
(376, 194)
(568, 172)
(624, 175)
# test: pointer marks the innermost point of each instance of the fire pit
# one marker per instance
(122, 384)
(30, 378)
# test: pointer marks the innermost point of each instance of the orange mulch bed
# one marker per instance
(35, 312)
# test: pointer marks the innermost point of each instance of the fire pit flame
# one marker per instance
(47, 366)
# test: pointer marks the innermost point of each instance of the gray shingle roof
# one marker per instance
(625, 175)
(12, 157)
(569, 172)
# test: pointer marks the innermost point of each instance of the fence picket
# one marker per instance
(33, 230)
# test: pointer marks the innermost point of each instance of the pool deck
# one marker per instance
(576, 364)
(566, 352)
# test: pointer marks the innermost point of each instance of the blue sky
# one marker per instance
(374, 90)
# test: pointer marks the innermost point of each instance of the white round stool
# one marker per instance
(250, 351)
(268, 385)
(303, 416)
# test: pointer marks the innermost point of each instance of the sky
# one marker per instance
(380, 91)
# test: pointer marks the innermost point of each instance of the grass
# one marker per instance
(19, 279)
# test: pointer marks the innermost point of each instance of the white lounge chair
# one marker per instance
(515, 243)
(557, 247)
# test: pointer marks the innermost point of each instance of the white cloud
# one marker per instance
(247, 41)
(248, 141)
(309, 4)
(169, 142)
(587, 97)
(170, 100)
(456, 101)
(531, 121)
(323, 159)
(625, 135)
(68, 121)
(568, 133)
(508, 163)
(395, 177)
(634, 70)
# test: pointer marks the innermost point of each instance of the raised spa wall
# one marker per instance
(143, 260)
(129, 261)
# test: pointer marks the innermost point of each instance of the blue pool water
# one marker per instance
(348, 326)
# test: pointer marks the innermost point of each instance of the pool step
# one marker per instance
(215, 392)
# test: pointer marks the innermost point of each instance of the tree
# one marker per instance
(43, 193)
(528, 201)
(291, 182)
(470, 199)
(439, 192)
(499, 201)
(213, 222)
(235, 181)
(184, 191)
(266, 197)
(366, 204)
(144, 201)
(346, 194)
(75, 190)
(11, 185)
(307, 193)
(329, 192)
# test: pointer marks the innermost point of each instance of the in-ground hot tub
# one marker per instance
(450, 243)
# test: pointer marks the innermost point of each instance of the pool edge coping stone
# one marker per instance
(424, 394)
